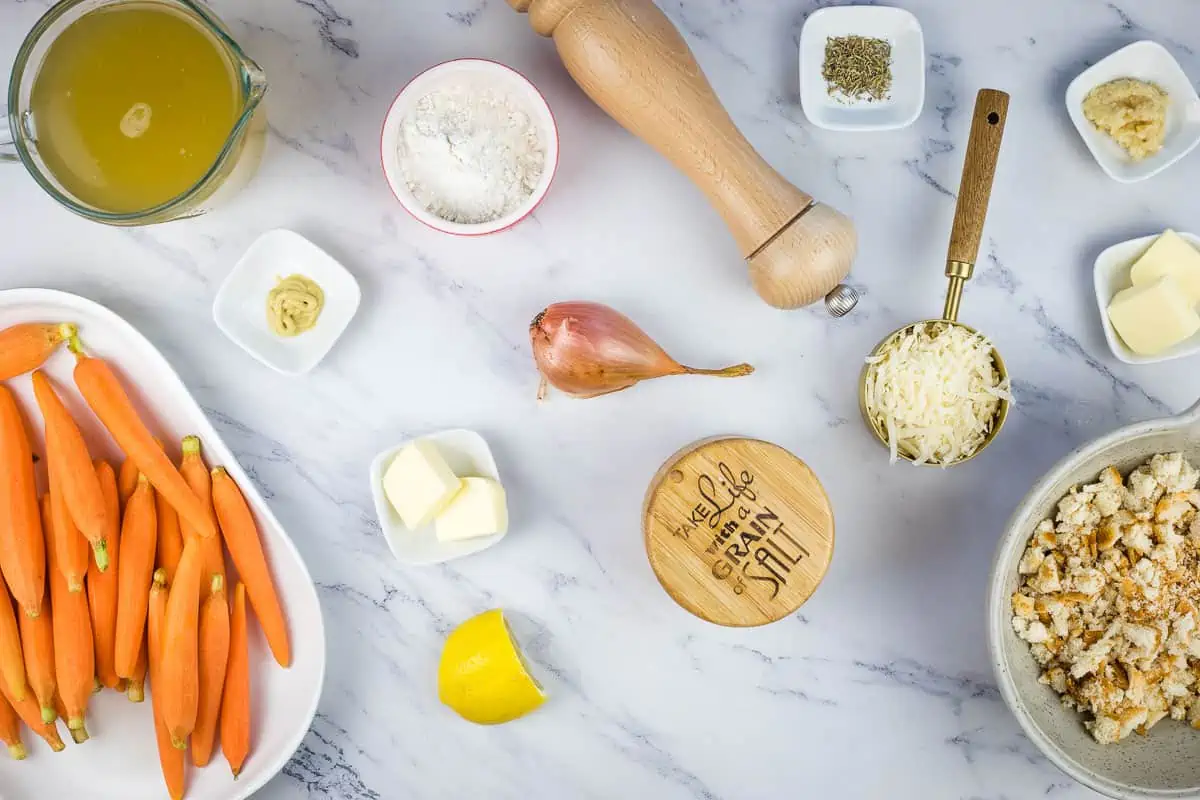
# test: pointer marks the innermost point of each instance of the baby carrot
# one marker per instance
(191, 466)
(102, 586)
(12, 660)
(31, 715)
(37, 644)
(139, 536)
(104, 394)
(26, 346)
(127, 480)
(170, 758)
(214, 653)
(70, 548)
(181, 645)
(77, 480)
(22, 546)
(135, 687)
(235, 702)
(75, 666)
(241, 537)
(10, 730)
(74, 648)
(170, 541)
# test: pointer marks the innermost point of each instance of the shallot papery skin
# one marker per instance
(588, 349)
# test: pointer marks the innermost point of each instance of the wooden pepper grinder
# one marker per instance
(628, 57)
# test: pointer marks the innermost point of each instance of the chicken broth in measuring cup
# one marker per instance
(132, 105)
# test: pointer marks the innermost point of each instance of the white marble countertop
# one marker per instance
(880, 686)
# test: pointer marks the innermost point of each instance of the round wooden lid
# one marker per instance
(738, 531)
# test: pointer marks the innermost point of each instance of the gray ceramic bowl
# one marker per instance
(1166, 763)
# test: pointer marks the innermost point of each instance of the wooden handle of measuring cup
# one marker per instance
(628, 57)
(983, 150)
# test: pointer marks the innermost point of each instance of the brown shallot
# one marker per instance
(588, 349)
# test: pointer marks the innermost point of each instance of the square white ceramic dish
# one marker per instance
(837, 113)
(1111, 275)
(240, 309)
(121, 760)
(1145, 61)
(468, 455)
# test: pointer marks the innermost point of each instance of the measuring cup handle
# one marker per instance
(7, 151)
(983, 149)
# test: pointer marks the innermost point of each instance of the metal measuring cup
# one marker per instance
(975, 189)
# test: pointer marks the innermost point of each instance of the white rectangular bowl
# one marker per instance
(1145, 61)
(120, 761)
(1111, 275)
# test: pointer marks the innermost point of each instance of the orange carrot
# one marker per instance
(31, 715)
(181, 647)
(68, 455)
(214, 653)
(22, 547)
(74, 648)
(170, 541)
(70, 549)
(26, 346)
(241, 537)
(12, 660)
(139, 536)
(37, 644)
(235, 702)
(170, 758)
(10, 730)
(135, 688)
(191, 466)
(103, 392)
(127, 480)
(102, 586)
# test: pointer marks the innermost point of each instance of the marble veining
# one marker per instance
(880, 687)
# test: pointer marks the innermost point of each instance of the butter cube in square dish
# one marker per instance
(420, 484)
(480, 509)
(1139, 263)
(1153, 317)
(466, 454)
(1170, 254)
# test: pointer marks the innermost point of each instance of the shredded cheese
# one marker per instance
(934, 391)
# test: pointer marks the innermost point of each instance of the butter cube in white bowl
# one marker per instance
(479, 509)
(1150, 288)
(439, 468)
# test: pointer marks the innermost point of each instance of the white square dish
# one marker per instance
(468, 455)
(837, 113)
(1145, 61)
(1111, 275)
(240, 309)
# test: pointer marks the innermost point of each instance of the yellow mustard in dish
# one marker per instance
(1132, 112)
(294, 305)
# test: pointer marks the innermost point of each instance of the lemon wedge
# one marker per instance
(482, 675)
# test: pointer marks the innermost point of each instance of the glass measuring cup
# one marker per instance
(975, 189)
(234, 165)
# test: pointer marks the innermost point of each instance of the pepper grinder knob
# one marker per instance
(841, 301)
(633, 63)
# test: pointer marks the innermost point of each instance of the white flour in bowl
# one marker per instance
(470, 155)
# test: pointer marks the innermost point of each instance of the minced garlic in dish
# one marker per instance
(1132, 112)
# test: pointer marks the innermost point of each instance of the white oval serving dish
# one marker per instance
(120, 761)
